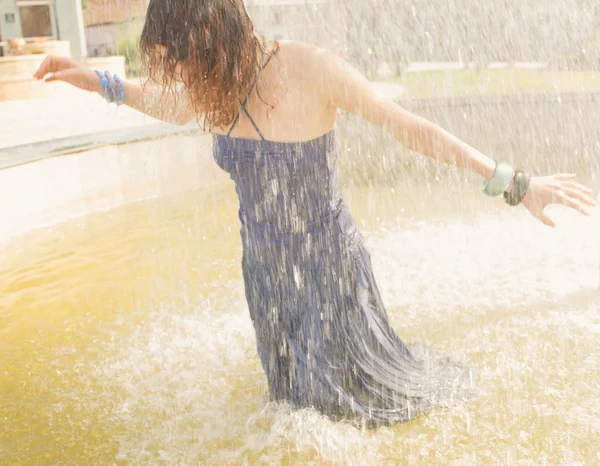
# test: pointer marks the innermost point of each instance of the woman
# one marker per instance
(323, 335)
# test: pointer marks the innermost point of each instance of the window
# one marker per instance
(36, 19)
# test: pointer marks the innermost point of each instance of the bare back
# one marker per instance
(288, 103)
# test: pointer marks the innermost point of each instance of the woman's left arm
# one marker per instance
(349, 90)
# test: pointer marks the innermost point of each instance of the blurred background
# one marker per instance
(124, 332)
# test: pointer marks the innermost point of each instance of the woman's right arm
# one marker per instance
(169, 107)
(347, 89)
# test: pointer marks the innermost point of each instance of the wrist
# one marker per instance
(519, 188)
(110, 86)
(93, 82)
(500, 180)
(512, 184)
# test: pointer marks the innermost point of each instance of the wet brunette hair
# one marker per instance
(215, 41)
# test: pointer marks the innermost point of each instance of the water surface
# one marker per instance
(125, 337)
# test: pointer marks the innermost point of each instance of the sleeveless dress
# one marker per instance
(322, 332)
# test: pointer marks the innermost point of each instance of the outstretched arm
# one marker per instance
(170, 107)
(349, 90)
(352, 92)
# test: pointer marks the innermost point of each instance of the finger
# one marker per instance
(547, 220)
(39, 71)
(44, 69)
(567, 201)
(574, 193)
(579, 187)
(565, 176)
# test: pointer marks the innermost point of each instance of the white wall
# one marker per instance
(69, 21)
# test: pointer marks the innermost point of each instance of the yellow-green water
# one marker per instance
(125, 338)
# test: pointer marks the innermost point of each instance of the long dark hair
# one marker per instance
(215, 40)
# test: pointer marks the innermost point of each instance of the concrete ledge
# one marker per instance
(28, 153)
(57, 189)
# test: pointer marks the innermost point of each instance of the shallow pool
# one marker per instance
(125, 337)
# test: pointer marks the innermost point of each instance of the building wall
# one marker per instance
(9, 30)
(69, 19)
(67, 24)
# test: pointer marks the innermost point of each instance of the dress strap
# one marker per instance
(253, 123)
(243, 104)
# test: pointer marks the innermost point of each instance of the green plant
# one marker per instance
(127, 46)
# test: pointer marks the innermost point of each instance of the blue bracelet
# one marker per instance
(108, 84)
(500, 180)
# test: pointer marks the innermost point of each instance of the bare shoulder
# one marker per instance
(300, 49)
(306, 60)
(318, 69)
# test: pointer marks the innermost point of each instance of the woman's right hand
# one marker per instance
(64, 69)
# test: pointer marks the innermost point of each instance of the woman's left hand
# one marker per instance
(557, 189)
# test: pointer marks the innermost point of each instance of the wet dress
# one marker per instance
(322, 332)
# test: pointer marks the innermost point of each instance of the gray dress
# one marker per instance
(322, 331)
